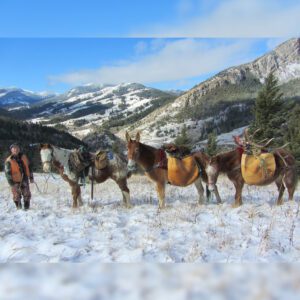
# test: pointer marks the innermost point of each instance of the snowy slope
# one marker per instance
(84, 107)
(104, 231)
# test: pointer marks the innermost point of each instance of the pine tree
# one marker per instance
(183, 139)
(292, 133)
(211, 147)
(267, 110)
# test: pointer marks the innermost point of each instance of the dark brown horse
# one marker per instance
(60, 158)
(229, 163)
(154, 162)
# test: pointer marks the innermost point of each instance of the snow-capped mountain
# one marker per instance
(82, 109)
(223, 102)
(15, 98)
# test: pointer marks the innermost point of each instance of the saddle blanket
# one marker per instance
(182, 172)
(257, 170)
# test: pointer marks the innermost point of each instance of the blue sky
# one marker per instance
(57, 64)
(170, 44)
(67, 18)
(155, 18)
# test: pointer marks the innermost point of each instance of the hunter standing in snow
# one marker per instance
(18, 174)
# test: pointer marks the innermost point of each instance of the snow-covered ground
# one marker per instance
(104, 231)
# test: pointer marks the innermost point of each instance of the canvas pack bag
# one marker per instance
(258, 169)
(101, 160)
(182, 172)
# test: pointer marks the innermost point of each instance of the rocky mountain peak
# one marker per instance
(284, 61)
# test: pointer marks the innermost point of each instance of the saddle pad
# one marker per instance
(182, 172)
(257, 170)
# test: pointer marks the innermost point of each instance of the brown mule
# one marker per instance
(154, 163)
(229, 163)
(59, 158)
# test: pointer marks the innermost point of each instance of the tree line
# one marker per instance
(28, 135)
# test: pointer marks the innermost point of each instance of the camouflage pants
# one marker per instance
(19, 190)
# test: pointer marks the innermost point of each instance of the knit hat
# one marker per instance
(14, 145)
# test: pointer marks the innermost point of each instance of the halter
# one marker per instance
(49, 161)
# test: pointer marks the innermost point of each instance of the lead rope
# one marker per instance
(92, 183)
(37, 187)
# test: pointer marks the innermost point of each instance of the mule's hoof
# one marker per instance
(236, 205)
(279, 203)
(128, 206)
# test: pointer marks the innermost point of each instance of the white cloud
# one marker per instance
(234, 18)
(176, 60)
(184, 7)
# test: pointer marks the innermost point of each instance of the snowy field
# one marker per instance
(104, 231)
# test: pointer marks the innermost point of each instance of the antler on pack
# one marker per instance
(249, 137)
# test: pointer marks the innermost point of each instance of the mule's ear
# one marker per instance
(41, 146)
(128, 139)
(138, 137)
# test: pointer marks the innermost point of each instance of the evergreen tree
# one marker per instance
(183, 139)
(292, 133)
(211, 147)
(268, 110)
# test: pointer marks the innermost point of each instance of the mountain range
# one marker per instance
(222, 103)
(16, 98)
(85, 108)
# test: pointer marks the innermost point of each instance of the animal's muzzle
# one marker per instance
(131, 166)
(211, 187)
